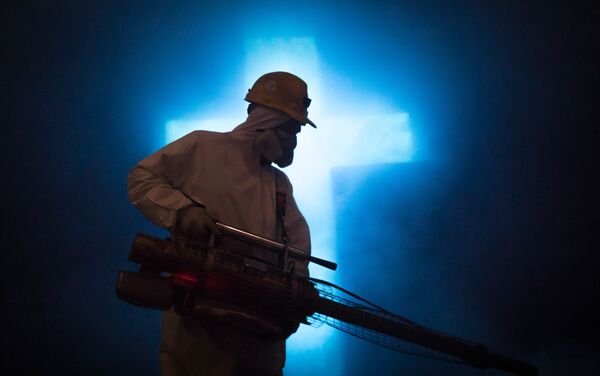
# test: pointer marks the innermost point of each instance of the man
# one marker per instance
(207, 176)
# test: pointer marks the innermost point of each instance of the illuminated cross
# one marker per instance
(353, 129)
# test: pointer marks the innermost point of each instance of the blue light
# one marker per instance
(354, 128)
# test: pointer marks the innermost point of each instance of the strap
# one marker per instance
(281, 203)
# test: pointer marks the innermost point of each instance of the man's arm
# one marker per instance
(152, 182)
(155, 197)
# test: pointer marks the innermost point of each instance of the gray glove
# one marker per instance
(196, 224)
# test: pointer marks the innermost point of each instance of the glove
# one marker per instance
(196, 224)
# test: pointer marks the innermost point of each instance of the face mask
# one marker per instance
(286, 159)
(269, 144)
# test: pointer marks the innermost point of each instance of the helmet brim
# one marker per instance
(308, 121)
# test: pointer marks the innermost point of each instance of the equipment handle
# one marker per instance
(273, 245)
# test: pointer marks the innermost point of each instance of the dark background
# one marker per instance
(489, 238)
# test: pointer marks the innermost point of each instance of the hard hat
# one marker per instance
(282, 91)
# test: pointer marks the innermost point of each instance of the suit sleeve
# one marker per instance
(152, 183)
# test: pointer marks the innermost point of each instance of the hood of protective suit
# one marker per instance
(262, 118)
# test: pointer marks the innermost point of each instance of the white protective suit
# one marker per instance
(223, 172)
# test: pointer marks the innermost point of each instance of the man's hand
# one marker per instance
(196, 224)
